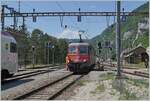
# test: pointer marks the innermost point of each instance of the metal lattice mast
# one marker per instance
(118, 39)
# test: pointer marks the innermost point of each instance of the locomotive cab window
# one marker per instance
(13, 47)
(72, 50)
(83, 50)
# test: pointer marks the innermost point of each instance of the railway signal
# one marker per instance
(53, 47)
(34, 17)
(33, 57)
(79, 17)
(48, 45)
(66, 26)
(99, 47)
(123, 16)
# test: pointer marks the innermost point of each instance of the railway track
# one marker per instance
(25, 75)
(51, 90)
(52, 67)
(114, 65)
(135, 73)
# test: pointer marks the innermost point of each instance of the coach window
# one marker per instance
(6, 46)
(13, 47)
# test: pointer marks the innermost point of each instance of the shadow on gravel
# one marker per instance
(82, 73)
(100, 68)
(85, 73)
(14, 83)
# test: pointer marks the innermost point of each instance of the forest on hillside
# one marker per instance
(38, 39)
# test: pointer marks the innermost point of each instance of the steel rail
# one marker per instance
(136, 73)
(52, 91)
(8, 80)
(26, 75)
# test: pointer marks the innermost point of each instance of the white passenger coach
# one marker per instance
(9, 56)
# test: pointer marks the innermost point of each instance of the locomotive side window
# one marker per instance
(89, 48)
(83, 50)
(13, 47)
(72, 50)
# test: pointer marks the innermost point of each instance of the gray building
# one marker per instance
(135, 55)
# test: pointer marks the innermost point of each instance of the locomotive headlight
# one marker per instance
(84, 60)
(68, 61)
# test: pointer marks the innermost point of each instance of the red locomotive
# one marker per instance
(80, 57)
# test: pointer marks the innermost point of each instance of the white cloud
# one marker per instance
(70, 34)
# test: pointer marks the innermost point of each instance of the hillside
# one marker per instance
(134, 31)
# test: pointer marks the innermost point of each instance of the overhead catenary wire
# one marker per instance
(60, 6)
(69, 13)
(61, 17)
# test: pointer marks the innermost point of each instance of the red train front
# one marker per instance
(80, 57)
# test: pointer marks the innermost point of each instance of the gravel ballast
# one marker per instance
(29, 84)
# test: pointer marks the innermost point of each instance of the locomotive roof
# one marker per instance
(77, 44)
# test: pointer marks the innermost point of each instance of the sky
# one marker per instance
(92, 26)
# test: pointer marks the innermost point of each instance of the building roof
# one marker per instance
(137, 50)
